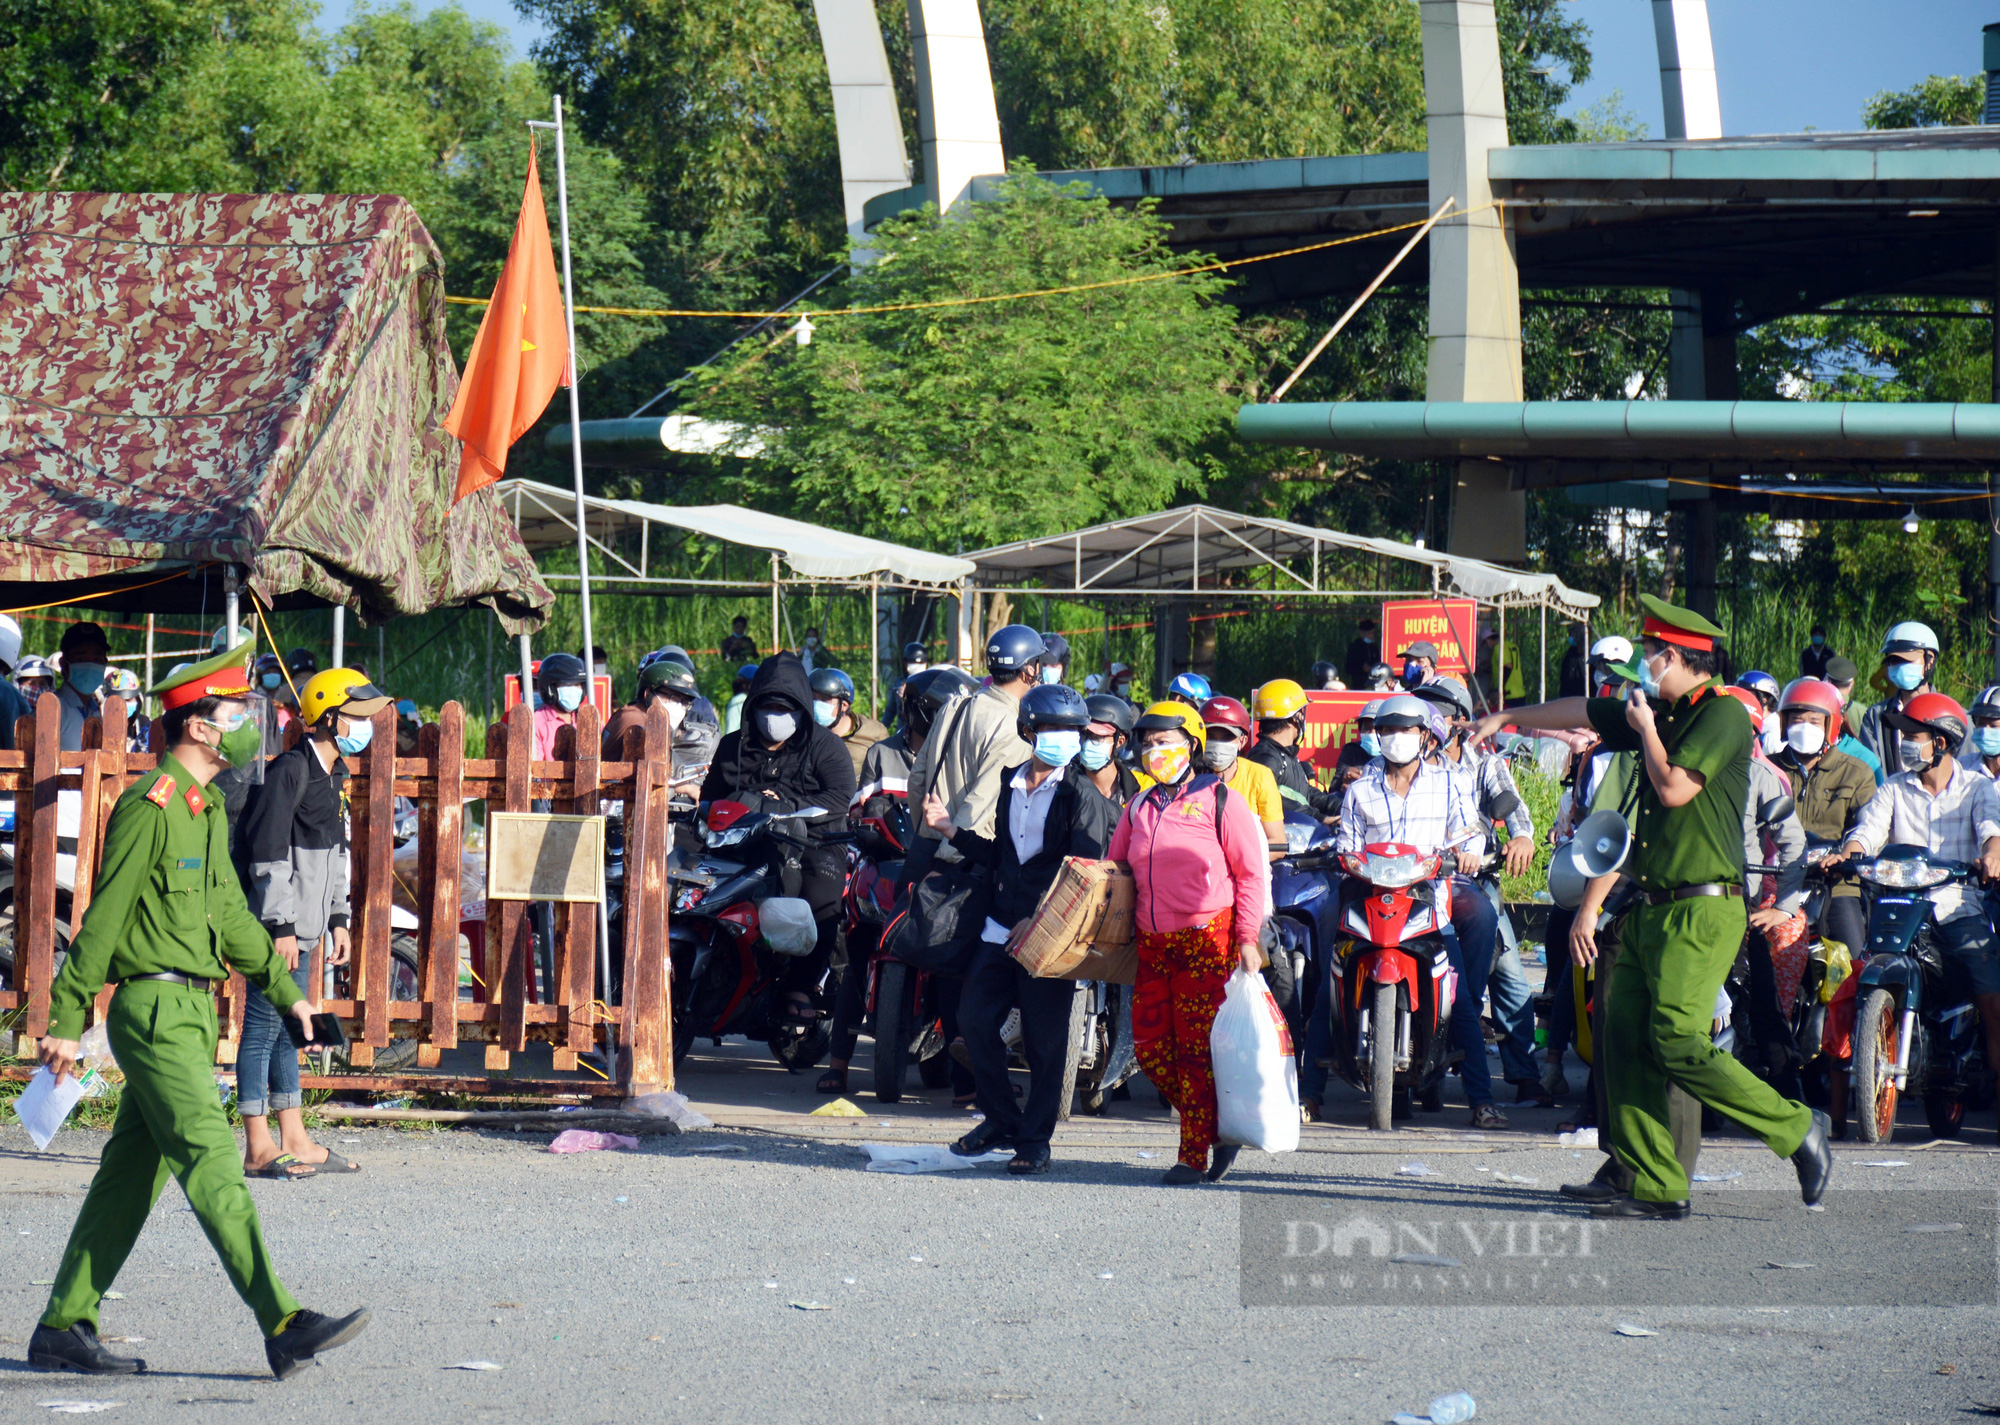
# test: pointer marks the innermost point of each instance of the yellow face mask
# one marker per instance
(1165, 764)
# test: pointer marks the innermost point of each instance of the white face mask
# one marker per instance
(676, 714)
(1400, 748)
(777, 727)
(1805, 738)
(912, 669)
(1222, 754)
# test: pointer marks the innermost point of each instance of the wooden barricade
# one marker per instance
(509, 1006)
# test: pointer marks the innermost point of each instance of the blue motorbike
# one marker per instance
(1303, 893)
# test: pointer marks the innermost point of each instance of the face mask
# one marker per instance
(1907, 676)
(1058, 748)
(1399, 749)
(1222, 756)
(356, 741)
(825, 714)
(1052, 675)
(776, 726)
(271, 680)
(1371, 744)
(912, 669)
(812, 643)
(1914, 755)
(1413, 674)
(676, 714)
(1165, 764)
(1649, 681)
(569, 699)
(1121, 690)
(1096, 753)
(1807, 739)
(1987, 741)
(240, 744)
(86, 677)
(1818, 640)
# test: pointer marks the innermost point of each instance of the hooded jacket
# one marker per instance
(811, 768)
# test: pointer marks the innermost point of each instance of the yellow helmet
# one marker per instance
(1164, 716)
(344, 689)
(1277, 700)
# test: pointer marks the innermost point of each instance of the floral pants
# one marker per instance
(1182, 978)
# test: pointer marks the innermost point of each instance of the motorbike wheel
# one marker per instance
(1381, 1057)
(799, 1051)
(1945, 1113)
(892, 1030)
(7, 934)
(934, 1072)
(1878, 1032)
(1432, 1099)
(1079, 1025)
(404, 984)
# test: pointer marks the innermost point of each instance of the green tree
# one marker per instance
(967, 425)
(1940, 99)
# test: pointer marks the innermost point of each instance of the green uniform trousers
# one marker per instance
(1672, 960)
(1683, 1113)
(170, 1120)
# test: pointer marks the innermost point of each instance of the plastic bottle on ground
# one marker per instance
(1453, 1408)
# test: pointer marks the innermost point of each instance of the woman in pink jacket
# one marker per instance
(1202, 870)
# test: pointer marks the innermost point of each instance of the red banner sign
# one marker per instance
(1330, 719)
(1447, 623)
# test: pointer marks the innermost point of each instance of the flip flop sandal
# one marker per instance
(832, 1081)
(335, 1163)
(279, 1169)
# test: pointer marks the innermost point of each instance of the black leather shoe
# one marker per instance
(1222, 1162)
(308, 1335)
(1596, 1190)
(1814, 1159)
(1632, 1209)
(1179, 1175)
(77, 1349)
(1029, 1161)
(1530, 1091)
(988, 1137)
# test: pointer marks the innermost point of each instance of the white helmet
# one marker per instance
(1612, 649)
(10, 641)
(1910, 637)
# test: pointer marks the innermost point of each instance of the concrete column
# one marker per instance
(1170, 644)
(958, 126)
(866, 120)
(1688, 96)
(1475, 312)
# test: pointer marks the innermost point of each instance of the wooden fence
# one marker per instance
(510, 1005)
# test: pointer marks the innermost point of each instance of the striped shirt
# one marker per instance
(1493, 785)
(1438, 812)
(1953, 825)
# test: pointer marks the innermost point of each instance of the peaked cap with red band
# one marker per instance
(1671, 624)
(223, 676)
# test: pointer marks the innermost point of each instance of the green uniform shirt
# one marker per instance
(167, 899)
(1700, 843)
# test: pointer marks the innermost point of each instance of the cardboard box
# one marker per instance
(1088, 907)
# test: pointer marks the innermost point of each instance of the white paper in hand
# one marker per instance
(45, 1103)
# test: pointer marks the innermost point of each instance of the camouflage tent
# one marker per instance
(189, 382)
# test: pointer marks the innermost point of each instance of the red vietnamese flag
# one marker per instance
(520, 355)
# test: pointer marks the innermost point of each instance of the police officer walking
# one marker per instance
(167, 922)
(1683, 935)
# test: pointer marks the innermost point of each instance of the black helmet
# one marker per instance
(916, 653)
(1323, 670)
(300, 660)
(559, 670)
(1051, 705)
(1013, 648)
(926, 693)
(1055, 649)
(832, 683)
(1446, 693)
(1116, 711)
(666, 675)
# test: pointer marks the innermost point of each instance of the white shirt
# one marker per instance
(1437, 814)
(1027, 820)
(1954, 824)
(76, 709)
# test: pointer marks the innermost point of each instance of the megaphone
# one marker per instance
(1599, 847)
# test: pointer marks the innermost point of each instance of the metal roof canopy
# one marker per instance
(1788, 499)
(545, 517)
(1185, 551)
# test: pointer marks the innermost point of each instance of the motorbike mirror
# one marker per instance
(1601, 844)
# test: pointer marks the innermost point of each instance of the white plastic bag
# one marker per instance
(787, 923)
(1256, 1078)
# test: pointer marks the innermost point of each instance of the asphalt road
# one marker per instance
(659, 1284)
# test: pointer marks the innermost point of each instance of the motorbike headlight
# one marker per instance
(728, 837)
(1298, 838)
(1903, 875)
(1394, 872)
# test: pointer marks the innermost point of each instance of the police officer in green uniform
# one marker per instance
(1681, 938)
(167, 921)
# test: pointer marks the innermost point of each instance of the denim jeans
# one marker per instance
(267, 1066)
(1514, 1007)
(1471, 951)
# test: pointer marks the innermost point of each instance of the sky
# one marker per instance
(1781, 65)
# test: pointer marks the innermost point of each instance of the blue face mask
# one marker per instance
(1371, 744)
(1058, 748)
(86, 678)
(826, 714)
(1413, 674)
(1649, 681)
(271, 680)
(569, 699)
(1096, 754)
(357, 741)
(1907, 676)
(1819, 640)
(1052, 673)
(1987, 741)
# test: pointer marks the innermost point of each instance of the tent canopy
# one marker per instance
(193, 381)
(1189, 550)
(546, 519)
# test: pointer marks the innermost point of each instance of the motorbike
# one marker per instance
(1306, 918)
(902, 1003)
(1394, 980)
(725, 970)
(1916, 1029)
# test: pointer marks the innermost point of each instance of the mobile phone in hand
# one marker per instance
(328, 1032)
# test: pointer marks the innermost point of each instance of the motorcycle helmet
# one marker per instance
(1051, 705)
(300, 663)
(35, 670)
(1909, 638)
(1448, 694)
(1611, 649)
(1987, 704)
(1172, 716)
(1323, 672)
(666, 675)
(1279, 700)
(1402, 712)
(1190, 688)
(926, 693)
(1226, 712)
(558, 670)
(10, 641)
(1752, 704)
(915, 652)
(1111, 712)
(267, 673)
(1931, 712)
(1055, 650)
(1013, 648)
(832, 683)
(1763, 685)
(1819, 696)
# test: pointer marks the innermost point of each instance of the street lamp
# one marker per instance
(1910, 521)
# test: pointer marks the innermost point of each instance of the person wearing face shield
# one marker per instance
(292, 845)
(1830, 787)
(167, 922)
(1909, 656)
(833, 707)
(1047, 811)
(86, 658)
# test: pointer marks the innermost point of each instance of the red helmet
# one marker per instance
(1226, 712)
(1932, 712)
(1814, 693)
(1752, 704)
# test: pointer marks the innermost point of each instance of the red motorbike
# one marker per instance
(903, 1012)
(1393, 983)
